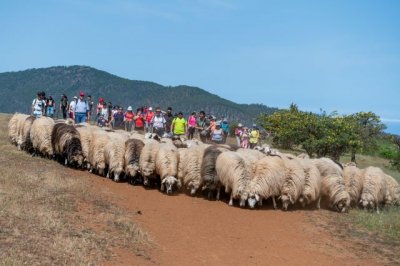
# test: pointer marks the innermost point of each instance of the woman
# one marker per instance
(192, 123)
(217, 134)
(139, 120)
(51, 105)
(100, 106)
(129, 119)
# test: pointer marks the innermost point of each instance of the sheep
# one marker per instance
(303, 156)
(312, 184)
(147, 164)
(85, 133)
(293, 183)
(24, 137)
(15, 122)
(207, 170)
(96, 151)
(66, 144)
(114, 153)
(133, 148)
(353, 180)
(393, 190)
(374, 190)
(233, 174)
(41, 136)
(251, 157)
(189, 167)
(332, 184)
(268, 179)
(167, 166)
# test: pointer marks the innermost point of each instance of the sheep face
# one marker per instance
(117, 173)
(168, 184)
(244, 195)
(286, 200)
(252, 199)
(147, 172)
(132, 170)
(342, 205)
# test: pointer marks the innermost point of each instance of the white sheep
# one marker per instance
(167, 166)
(114, 155)
(96, 151)
(85, 132)
(353, 179)
(293, 184)
(133, 149)
(374, 190)
(233, 174)
(40, 135)
(24, 137)
(268, 179)
(332, 184)
(393, 189)
(312, 183)
(251, 157)
(15, 122)
(189, 167)
(147, 161)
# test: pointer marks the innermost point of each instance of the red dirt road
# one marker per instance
(195, 231)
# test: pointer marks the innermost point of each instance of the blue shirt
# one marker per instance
(81, 106)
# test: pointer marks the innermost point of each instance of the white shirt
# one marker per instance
(38, 106)
(72, 105)
(158, 122)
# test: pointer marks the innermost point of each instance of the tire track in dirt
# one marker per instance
(196, 231)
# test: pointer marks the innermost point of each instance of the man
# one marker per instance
(179, 125)
(238, 133)
(90, 104)
(38, 105)
(158, 123)
(202, 124)
(225, 128)
(81, 109)
(168, 116)
(64, 106)
(117, 120)
(254, 136)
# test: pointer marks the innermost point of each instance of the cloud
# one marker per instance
(391, 120)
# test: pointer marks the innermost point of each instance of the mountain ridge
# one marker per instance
(18, 88)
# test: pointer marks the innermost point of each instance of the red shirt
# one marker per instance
(139, 121)
(129, 116)
(149, 116)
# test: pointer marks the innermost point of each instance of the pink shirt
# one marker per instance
(192, 121)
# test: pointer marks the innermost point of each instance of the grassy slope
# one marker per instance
(48, 215)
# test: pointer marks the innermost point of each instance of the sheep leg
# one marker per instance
(66, 161)
(260, 202)
(377, 208)
(231, 200)
(319, 203)
(162, 186)
(218, 191)
(108, 174)
(273, 201)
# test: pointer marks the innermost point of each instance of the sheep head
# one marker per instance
(169, 182)
(252, 199)
(286, 200)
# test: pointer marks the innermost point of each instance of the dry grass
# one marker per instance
(49, 216)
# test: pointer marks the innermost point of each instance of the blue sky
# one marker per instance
(335, 55)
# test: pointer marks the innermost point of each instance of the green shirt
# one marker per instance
(179, 125)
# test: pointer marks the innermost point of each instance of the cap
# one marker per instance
(101, 100)
(129, 108)
(75, 97)
(81, 93)
(240, 125)
(254, 125)
(150, 108)
(218, 124)
(225, 120)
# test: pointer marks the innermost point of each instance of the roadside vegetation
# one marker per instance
(49, 216)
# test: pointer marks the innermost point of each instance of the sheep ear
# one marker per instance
(291, 200)
(164, 180)
(257, 197)
(178, 183)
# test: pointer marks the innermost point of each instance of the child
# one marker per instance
(101, 122)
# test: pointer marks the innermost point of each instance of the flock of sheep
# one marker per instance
(249, 176)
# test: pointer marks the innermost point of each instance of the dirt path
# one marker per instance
(195, 231)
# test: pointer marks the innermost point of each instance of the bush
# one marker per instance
(395, 161)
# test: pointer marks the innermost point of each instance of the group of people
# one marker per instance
(144, 119)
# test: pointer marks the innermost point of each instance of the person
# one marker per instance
(99, 107)
(72, 105)
(110, 108)
(225, 128)
(202, 124)
(117, 120)
(129, 119)
(51, 104)
(217, 134)
(192, 123)
(212, 125)
(149, 117)
(90, 105)
(168, 116)
(179, 125)
(81, 109)
(158, 123)
(104, 111)
(238, 133)
(102, 121)
(244, 138)
(139, 120)
(64, 105)
(38, 105)
(254, 136)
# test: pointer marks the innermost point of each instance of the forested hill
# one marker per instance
(17, 89)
